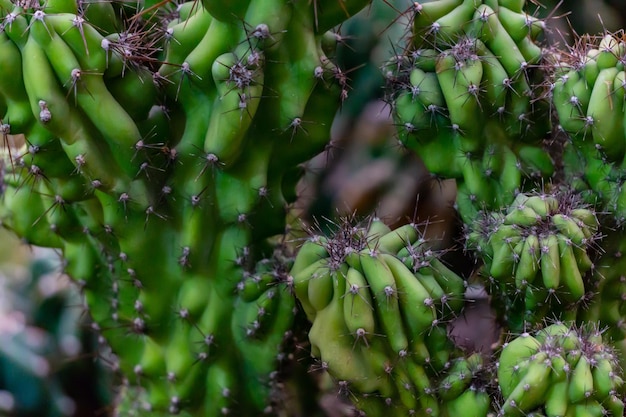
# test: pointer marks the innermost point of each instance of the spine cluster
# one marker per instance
(537, 256)
(561, 371)
(587, 93)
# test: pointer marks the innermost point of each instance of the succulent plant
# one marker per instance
(157, 147)
(561, 368)
(160, 149)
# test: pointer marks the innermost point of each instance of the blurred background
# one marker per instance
(48, 356)
(52, 365)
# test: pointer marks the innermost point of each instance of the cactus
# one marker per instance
(472, 94)
(464, 90)
(160, 148)
(592, 119)
(560, 368)
(538, 256)
(157, 147)
(377, 300)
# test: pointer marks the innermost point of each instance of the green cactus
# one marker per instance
(560, 368)
(588, 96)
(464, 91)
(157, 147)
(538, 256)
(469, 95)
(378, 301)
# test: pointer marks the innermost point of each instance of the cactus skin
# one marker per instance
(377, 299)
(160, 157)
(588, 95)
(158, 146)
(538, 256)
(463, 91)
(575, 363)
(461, 96)
(606, 308)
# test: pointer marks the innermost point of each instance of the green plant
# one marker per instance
(161, 149)
(158, 146)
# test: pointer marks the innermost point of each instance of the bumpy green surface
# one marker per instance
(560, 371)
(378, 300)
(538, 256)
(607, 306)
(161, 147)
(587, 92)
(464, 99)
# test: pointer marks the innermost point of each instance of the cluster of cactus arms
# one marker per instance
(560, 368)
(161, 149)
(379, 301)
(157, 147)
(465, 90)
(534, 138)
(587, 89)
